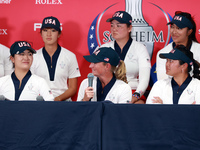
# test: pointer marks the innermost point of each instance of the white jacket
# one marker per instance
(138, 66)
(119, 93)
(163, 89)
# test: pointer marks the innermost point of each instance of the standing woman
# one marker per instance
(181, 88)
(134, 54)
(183, 32)
(21, 84)
(56, 64)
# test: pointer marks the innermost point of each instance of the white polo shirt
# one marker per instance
(138, 66)
(66, 67)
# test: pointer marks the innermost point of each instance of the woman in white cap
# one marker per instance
(21, 84)
(109, 82)
(183, 32)
(57, 65)
(134, 55)
(181, 88)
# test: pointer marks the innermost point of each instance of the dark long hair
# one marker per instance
(196, 65)
(192, 36)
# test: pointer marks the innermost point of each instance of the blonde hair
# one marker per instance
(120, 71)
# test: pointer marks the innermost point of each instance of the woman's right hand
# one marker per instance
(89, 93)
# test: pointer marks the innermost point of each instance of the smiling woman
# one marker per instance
(183, 32)
(21, 84)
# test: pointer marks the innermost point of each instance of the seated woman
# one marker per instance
(21, 84)
(181, 88)
(110, 74)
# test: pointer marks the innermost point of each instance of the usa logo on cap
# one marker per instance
(106, 59)
(50, 21)
(172, 51)
(21, 44)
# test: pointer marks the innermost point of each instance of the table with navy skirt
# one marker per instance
(42, 125)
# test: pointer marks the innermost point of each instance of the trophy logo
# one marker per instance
(141, 30)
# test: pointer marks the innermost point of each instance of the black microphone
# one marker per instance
(39, 98)
(90, 79)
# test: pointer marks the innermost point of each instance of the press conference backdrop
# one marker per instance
(84, 25)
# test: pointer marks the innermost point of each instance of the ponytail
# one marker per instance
(196, 71)
(120, 71)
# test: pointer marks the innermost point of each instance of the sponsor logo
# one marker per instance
(39, 25)
(5, 1)
(48, 2)
(3, 32)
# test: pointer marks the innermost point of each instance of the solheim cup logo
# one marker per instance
(141, 31)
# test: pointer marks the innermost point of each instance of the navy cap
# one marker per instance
(104, 54)
(176, 54)
(181, 22)
(122, 17)
(51, 22)
(19, 47)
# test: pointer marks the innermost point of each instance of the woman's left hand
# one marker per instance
(140, 102)
(157, 100)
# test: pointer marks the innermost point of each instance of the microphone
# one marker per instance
(39, 98)
(90, 79)
(2, 98)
